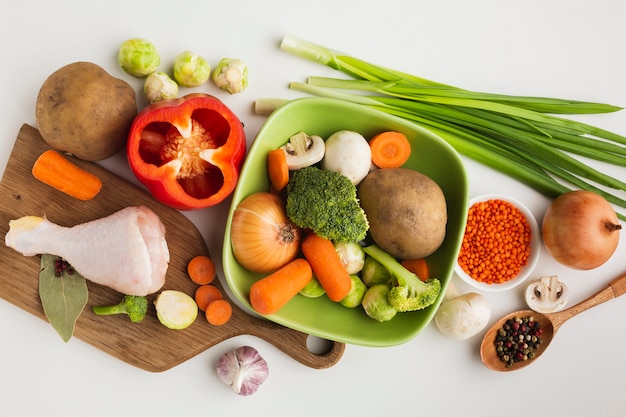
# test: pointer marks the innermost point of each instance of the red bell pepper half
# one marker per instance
(188, 152)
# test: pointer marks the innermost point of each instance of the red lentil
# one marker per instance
(496, 243)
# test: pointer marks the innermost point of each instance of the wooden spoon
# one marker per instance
(549, 323)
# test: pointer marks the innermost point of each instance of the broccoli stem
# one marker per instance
(109, 310)
(395, 268)
(408, 292)
(135, 306)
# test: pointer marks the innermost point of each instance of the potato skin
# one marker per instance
(406, 210)
(83, 110)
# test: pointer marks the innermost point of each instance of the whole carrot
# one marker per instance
(270, 294)
(327, 266)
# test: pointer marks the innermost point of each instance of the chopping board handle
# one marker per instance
(295, 344)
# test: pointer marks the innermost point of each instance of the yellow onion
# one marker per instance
(263, 239)
(581, 230)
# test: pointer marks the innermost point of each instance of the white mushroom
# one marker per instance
(348, 153)
(462, 316)
(303, 150)
(546, 295)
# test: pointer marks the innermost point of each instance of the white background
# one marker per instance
(560, 48)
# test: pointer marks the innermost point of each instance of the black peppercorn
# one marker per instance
(517, 340)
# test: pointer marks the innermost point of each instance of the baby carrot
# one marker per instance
(327, 266)
(418, 266)
(205, 294)
(201, 270)
(53, 169)
(218, 312)
(390, 149)
(277, 169)
(271, 293)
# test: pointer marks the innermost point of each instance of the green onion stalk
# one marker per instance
(520, 136)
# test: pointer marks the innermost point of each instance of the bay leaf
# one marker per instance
(63, 297)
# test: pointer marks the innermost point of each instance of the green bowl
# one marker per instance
(431, 155)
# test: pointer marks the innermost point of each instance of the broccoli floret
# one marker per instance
(135, 306)
(326, 202)
(408, 292)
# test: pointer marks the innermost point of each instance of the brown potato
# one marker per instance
(83, 110)
(406, 210)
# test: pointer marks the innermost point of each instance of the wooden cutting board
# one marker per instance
(147, 345)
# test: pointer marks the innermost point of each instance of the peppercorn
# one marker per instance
(518, 339)
(60, 266)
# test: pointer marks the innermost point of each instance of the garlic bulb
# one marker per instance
(243, 369)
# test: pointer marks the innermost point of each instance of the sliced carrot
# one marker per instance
(271, 293)
(277, 169)
(55, 170)
(390, 149)
(205, 294)
(218, 312)
(418, 266)
(327, 266)
(201, 270)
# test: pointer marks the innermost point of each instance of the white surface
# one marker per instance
(560, 48)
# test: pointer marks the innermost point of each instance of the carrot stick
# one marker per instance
(390, 149)
(218, 312)
(277, 169)
(201, 270)
(55, 170)
(418, 266)
(205, 294)
(327, 266)
(271, 293)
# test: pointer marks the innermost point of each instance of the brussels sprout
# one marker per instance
(313, 289)
(175, 309)
(190, 69)
(374, 272)
(376, 304)
(231, 75)
(352, 256)
(138, 57)
(355, 296)
(159, 86)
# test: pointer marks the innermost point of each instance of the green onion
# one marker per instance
(395, 88)
(520, 136)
